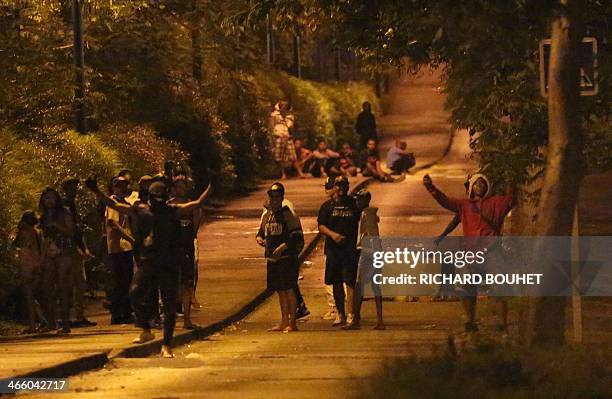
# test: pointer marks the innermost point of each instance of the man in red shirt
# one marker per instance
(482, 217)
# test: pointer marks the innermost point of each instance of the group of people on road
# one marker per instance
(150, 238)
(293, 157)
(345, 221)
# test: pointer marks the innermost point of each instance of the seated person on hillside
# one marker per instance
(398, 159)
(369, 161)
(348, 161)
(302, 156)
(325, 161)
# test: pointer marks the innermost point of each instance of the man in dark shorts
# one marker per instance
(186, 246)
(281, 234)
(339, 222)
(156, 227)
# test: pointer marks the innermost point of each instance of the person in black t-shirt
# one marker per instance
(339, 222)
(186, 247)
(280, 232)
(156, 228)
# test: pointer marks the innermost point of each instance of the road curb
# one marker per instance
(71, 367)
(189, 336)
(451, 139)
(98, 360)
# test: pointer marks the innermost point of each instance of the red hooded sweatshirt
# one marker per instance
(482, 217)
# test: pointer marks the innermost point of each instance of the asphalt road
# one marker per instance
(246, 361)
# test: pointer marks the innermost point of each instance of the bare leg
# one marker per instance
(350, 300)
(380, 324)
(291, 308)
(283, 324)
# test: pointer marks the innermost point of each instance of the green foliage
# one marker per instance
(30, 165)
(326, 110)
(489, 55)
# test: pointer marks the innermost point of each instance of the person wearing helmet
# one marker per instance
(339, 221)
(368, 231)
(482, 218)
(280, 233)
(156, 228)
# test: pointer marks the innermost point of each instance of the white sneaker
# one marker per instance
(330, 315)
(166, 352)
(339, 321)
(144, 336)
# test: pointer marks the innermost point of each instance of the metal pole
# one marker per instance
(79, 64)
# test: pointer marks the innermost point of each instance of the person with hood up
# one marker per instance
(482, 217)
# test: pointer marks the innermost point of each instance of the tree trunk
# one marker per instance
(563, 163)
(79, 64)
(196, 43)
(297, 54)
(269, 40)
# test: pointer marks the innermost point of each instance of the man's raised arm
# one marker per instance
(451, 204)
(92, 184)
(189, 207)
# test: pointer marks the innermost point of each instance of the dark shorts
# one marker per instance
(187, 266)
(283, 274)
(341, 267)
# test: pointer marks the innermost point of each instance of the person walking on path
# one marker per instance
(59, 227)
(280, 232)
(482, 217)
(280, 124)
(186, 246)
(368, 230)
(366, 125)
(120, 244)
(156, 227)
(30, 257)
(70, 187)
(339, 222)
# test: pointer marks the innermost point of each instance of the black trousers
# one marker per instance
(403, 164)
(123, 272)
(152, 275)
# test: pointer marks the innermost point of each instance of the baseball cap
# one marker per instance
(119, 180)
(277, 188)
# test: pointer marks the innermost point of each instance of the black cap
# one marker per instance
(119, 180)
(342, 181)
(364, 194)
(277, 188)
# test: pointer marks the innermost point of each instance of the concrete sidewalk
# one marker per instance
(231, 284)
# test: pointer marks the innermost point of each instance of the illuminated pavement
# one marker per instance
(246, 361)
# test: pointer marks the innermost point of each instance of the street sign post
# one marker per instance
(588, 66)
